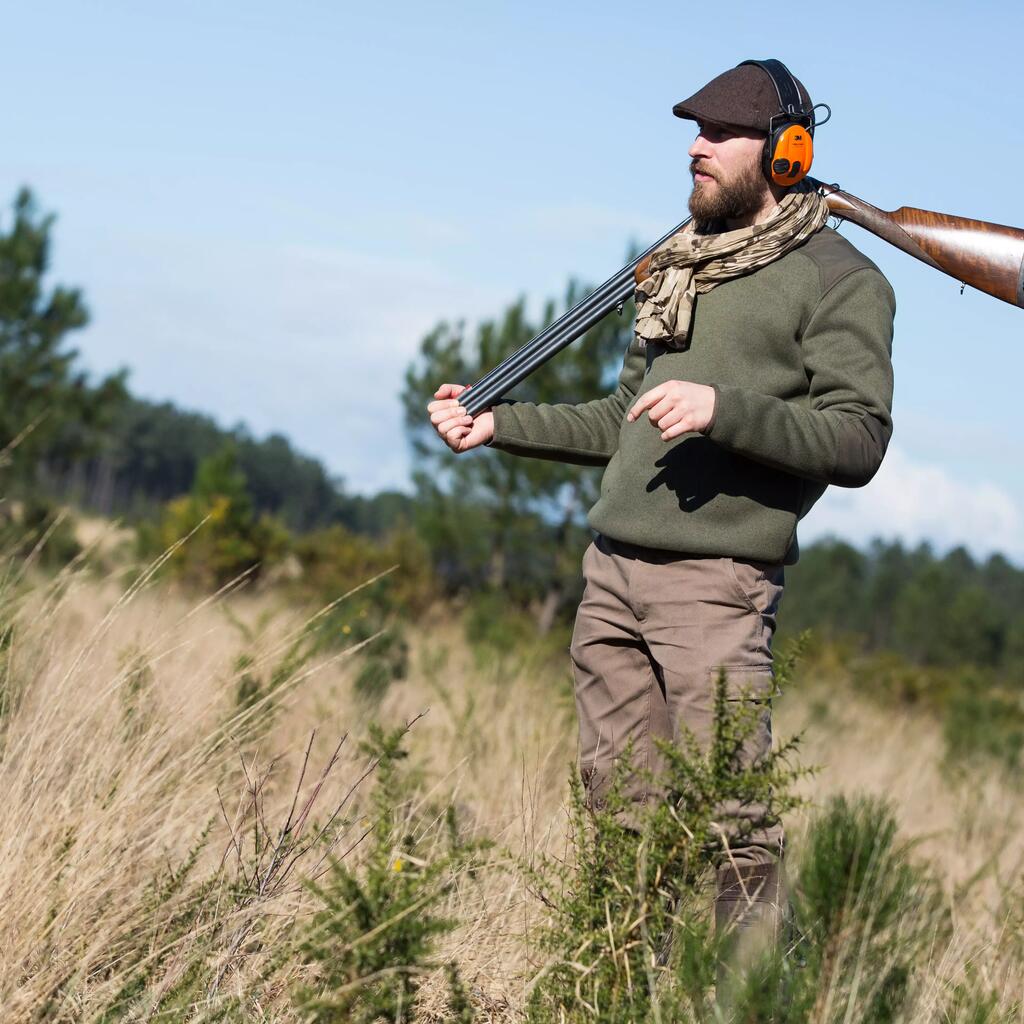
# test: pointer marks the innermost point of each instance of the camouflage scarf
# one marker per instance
(690, 264)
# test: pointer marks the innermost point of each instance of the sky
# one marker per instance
(267, 205)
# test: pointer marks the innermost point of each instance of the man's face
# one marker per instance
(726, 168)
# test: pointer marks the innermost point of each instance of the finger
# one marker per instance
(454, 436)
(443, 403)
(446, 410)
(662, 408)
(645, 401)
(684, 426)
(452, 422)
(671, 418)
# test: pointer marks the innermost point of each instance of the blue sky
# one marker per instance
(268, 204)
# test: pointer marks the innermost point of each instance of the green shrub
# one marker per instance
(375, 936)
(494, 626)
(983, 721)
(505, 637)
(369, 586)
(866, 915)
(980, 712)
(335, 561)
(626, 888)
(213, 535)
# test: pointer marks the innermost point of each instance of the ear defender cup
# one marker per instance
(788, 153)
(789, 148)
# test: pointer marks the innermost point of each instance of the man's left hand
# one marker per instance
(676, 407)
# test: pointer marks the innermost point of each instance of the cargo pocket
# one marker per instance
(754, 683)
(749, 691)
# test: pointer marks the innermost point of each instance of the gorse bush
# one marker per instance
(375, 936)
(204, 942)
(864, 920)
(635, 881)
(865, 916)
(630, 937)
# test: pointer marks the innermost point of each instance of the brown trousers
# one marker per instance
(651, 633)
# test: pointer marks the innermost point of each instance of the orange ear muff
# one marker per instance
(792, 150)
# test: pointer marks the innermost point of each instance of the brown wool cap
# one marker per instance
(743, 97)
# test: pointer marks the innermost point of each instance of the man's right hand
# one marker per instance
(456, 427)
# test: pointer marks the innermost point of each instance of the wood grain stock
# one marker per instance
(989, 257)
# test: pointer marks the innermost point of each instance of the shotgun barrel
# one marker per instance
(564, 331)
(989, 257)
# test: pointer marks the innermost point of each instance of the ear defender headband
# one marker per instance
(789, 148)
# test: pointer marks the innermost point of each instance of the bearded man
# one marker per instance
(760, 373)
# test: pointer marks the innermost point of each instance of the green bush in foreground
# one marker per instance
(629, 937)
(865, 917)
(374, 938)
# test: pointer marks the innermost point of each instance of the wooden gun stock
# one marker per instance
(989, 257)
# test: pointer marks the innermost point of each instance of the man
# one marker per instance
(759, 374)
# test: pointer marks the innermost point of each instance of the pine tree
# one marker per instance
(48, 407)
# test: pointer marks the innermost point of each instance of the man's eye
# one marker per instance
(714, 133)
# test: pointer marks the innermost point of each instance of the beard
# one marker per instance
(728, 198)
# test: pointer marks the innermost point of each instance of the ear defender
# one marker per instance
(788, 153)
(789, 148)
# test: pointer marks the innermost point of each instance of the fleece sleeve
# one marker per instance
(839, 434)
(586, 434)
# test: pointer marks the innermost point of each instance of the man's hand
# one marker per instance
(457, 429)
(676, 407)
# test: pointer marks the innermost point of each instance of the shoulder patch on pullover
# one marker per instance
(835, 257)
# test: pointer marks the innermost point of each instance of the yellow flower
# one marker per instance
(346, 629)
(397, 866)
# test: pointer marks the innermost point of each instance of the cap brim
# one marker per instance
(687, 110)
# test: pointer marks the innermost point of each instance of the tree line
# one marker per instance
(482, 523)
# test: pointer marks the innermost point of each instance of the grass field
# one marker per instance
(174, 771)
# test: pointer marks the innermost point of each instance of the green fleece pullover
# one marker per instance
(798, 353)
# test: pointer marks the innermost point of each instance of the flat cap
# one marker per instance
(743, 97)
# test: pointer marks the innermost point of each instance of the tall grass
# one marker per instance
(194, 828)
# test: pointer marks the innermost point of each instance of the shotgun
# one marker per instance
(989, 257)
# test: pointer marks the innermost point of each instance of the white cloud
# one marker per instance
(913, 501)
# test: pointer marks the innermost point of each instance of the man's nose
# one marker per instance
(700, 148)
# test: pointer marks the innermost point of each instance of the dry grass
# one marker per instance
(122, 742)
